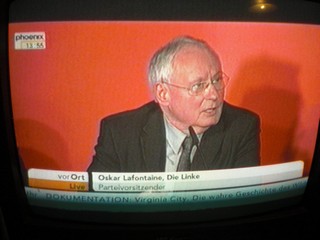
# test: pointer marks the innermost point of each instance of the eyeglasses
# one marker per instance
(219, 81)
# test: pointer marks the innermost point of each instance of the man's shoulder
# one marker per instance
(235, 113)
(132, 116)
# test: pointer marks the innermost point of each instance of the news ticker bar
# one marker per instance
(165, 201)
(162, 181)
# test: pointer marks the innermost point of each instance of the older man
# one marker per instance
(188, 127)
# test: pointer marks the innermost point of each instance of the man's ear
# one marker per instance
(161, 93)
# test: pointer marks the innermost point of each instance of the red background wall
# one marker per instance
(92, 69)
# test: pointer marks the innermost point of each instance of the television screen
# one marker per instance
(101, 103)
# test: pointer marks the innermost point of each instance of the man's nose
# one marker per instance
(211, 92)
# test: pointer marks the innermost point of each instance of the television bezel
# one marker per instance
(16, 213)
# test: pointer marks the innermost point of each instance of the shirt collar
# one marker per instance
(174, 136)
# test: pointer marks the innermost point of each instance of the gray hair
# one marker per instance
(161, 64)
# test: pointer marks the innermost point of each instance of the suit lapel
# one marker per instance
(210, 146)
(153, 142)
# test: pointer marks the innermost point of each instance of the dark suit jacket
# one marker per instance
(134, 141)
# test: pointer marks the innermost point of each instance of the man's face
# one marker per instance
(193, 65)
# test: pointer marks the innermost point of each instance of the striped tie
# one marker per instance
(185, 161)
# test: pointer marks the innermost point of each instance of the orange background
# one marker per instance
(92, 69)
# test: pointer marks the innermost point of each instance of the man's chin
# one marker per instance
(203, 127)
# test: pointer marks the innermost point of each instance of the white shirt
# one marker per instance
(174, 139)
